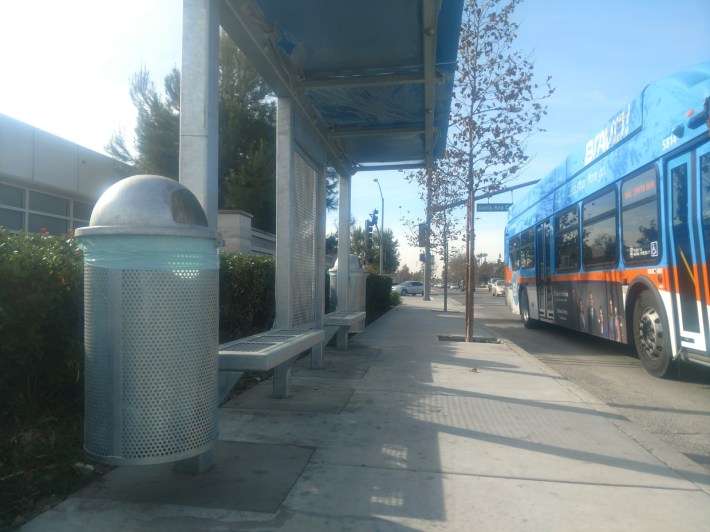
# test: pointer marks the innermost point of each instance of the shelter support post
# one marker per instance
(199, 104)
(344, 183)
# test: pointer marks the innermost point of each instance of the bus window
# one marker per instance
(527, 248)
(567, 240)
(599, 221)
(514, 252)
(639, 218)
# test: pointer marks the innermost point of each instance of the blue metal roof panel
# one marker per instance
(361, 67)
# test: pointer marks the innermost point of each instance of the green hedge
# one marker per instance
(41, 315)
(377, 296)
(41, 323)
(246, 295)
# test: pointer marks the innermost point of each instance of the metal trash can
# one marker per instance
(357, 279)
(151, 324)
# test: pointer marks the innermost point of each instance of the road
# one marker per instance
(676, 410)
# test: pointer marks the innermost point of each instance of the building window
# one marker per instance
(12, 220)
(40, 223)
(12, 196)
(82, 211)
(46, 203)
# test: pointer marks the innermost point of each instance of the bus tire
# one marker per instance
(528, 322)
(652, 336)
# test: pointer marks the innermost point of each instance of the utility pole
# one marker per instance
(427, 243)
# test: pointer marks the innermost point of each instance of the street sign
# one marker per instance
(493, 207)
(422, 235)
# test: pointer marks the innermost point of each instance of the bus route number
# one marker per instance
(670, 141)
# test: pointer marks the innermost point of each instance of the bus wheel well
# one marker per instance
(638, 286)
(525, 316)
(648, 329)
(631, 298)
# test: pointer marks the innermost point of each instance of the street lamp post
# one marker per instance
(382, 225)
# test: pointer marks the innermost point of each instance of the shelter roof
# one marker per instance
(374, 76)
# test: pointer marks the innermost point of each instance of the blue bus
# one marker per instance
(615, 241)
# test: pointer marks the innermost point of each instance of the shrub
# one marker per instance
(246, 295)
(377, 296)
(41, 322)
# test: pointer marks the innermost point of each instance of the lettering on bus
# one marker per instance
(640, 191)
(608, 137)
(592, 178)
(640, 253)
(670, 141)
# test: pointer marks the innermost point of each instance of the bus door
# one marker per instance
(543, 270)
(689, 204)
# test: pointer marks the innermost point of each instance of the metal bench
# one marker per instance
(276, 349)
(339, 323)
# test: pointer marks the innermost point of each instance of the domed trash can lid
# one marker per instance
(354, 264)
(148, 205)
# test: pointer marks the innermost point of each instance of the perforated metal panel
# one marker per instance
(304, 245)
(151, 364)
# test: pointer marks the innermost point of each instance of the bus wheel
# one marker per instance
(528, 322)
(652, 335)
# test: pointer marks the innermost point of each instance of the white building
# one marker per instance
(48, 184)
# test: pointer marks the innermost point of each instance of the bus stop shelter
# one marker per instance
(360, 86)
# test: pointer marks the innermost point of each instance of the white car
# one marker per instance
(492, 282)
(498, 288)
(409, 288)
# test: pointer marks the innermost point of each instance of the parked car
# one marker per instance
(409, 288)
(492, 282)
(498, 288)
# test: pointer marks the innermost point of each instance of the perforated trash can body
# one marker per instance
(357, 279)
(151, 325)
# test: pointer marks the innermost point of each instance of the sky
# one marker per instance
(65, 68)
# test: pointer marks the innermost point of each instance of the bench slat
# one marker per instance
(343, 318)
(264, 351)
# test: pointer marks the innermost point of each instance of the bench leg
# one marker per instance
(317, 356)
(226, 381)
(282, 375)
(341, 341)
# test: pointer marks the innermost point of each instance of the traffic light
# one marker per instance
(368, 234)
(374, 218)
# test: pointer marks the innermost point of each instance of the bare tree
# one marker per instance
(496, 106)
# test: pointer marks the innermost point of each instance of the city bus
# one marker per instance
(615, 241)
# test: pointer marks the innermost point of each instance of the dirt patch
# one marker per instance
(477, 339)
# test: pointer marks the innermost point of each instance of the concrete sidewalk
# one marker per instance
(408, 432)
